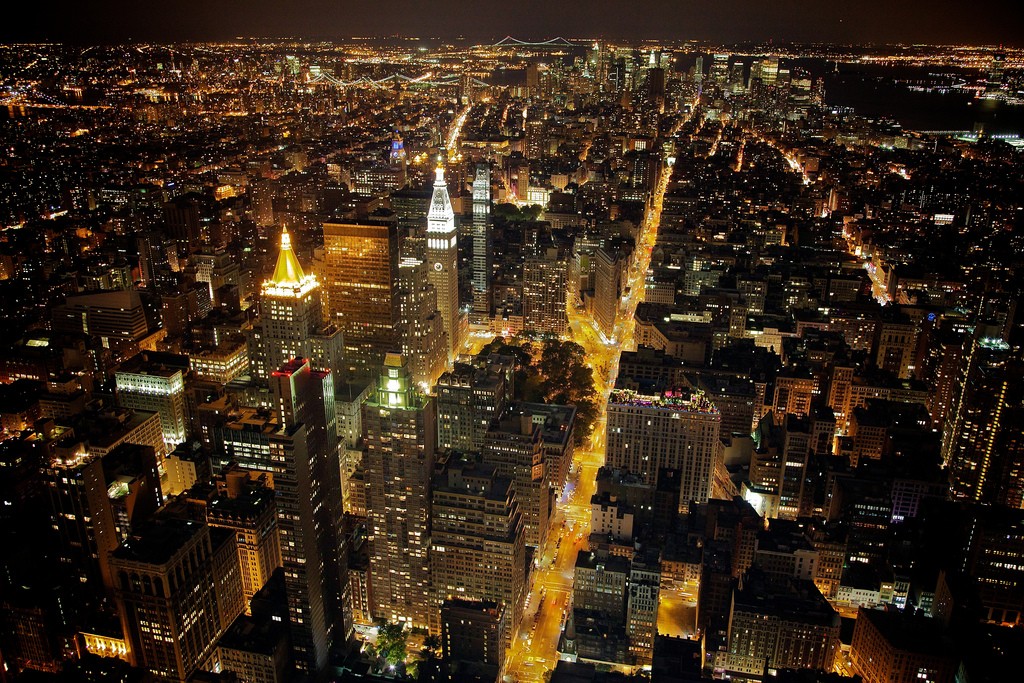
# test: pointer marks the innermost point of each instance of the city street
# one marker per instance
(534, 647)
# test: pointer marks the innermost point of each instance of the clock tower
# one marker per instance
(443, 260)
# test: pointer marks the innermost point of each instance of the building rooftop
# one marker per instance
(909, 633)
(157, 541)
(252, 634)
(608, 563)
(677, 400)
(794, 600)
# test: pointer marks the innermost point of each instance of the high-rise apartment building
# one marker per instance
(982, 439)
(482, 255)
(147, 383)
(514, 445)
(360, 274)
(252, 516)
(546, 275)
(676, 430)
(307, 486)
(178, 589)
(469, 397)
(399, 426)
(443, 262)
(478, 549)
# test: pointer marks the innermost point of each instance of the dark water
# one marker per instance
(875, 92)
(880, 91)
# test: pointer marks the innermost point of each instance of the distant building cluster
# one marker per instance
(282, 394)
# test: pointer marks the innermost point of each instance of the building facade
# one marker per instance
(673, 430)
(399, 427)
(443, 262)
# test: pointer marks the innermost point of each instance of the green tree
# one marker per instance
(431, 644)
(392, 641)
(532, 212)
(566, 378)
(506, 213)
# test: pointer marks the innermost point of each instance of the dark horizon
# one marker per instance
(989, 22)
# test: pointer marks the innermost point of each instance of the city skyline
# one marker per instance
(621, 361)
(991, 22)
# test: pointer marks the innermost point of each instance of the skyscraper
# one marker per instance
(292, 318)
(178, 590)
(671, 430)
(443, 261)
(478, 546)
(514, 445)
(307, 484)
(399, 425)
(607, 288)
(360, 271)
(421, 329)
(482, 257)
(469, 397)
(94, 500)
(545, 278)
(251, 514)
(981, 440)
(397, 158)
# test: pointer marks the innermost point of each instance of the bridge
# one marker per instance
(509, 41)
(401, 79)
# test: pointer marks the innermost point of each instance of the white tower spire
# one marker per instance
(442, 258)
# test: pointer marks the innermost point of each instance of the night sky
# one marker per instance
(849, 21)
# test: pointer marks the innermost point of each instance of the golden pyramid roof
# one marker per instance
(288, 271)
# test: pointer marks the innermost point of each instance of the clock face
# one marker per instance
(438, 267)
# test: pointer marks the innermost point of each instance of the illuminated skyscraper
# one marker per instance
(251, 514)
(482, 257)
(469, 397)
(421, 329)
(292, 319)
(360, 273)
(545, 281)
(719, 72)
(178, 589)
(443, 261)
(994, 79)
(770, 70)
(478, 549)
(399, 426)
(607, 289)
(982, 438)
(307, 484)
(514, 446)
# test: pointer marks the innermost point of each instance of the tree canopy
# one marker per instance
(390, 650)
(552, 371)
